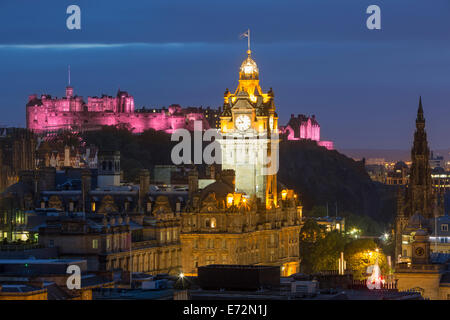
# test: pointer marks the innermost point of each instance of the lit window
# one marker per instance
(229, 200)
(95, 244)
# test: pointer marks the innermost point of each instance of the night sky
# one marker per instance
(317, 55)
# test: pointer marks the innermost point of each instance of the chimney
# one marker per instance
(66, 156)
(85, 187)
(229, 177)
(47, 177)
(144, 186)
(212, 171)
(193, 181)
(27, 177)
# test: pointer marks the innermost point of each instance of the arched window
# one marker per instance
(213, 223)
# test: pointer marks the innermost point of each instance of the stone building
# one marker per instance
(17, 152)
(89, 214)
(245, 216)
(46, 114)
(399, 175)
(303, 127)
(424, 272)
(220, 226)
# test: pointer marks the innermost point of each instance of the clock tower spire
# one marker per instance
(248, 125)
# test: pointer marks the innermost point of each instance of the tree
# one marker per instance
(317, 211)
(319, 250)
(366, 224)
(327, 251)
(311, 231)
(309, 234)
(362, 253)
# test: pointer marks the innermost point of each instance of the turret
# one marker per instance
(108, 165)
(69, 92)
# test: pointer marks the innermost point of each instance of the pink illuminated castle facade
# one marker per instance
(305, 128)
(47, 114)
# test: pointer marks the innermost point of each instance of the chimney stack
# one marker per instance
(144, 186)
(229, 177)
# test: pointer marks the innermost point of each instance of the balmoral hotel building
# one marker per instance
(245, 216)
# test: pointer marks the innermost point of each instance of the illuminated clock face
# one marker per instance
(242, 122)
(271, 123)
(420, 251)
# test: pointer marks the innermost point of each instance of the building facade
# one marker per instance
(47, 114)
(303, 127)
(245, 216)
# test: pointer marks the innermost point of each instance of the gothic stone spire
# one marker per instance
(420, 179)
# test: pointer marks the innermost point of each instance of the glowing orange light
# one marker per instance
(229, 199)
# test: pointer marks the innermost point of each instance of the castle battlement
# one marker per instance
(47, 114)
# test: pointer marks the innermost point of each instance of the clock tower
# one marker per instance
(421, 247)
(249, 125)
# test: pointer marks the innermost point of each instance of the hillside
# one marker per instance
(322, 176)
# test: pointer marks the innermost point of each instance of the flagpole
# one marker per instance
(248, 39)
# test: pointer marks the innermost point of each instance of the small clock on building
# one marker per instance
(419, 251)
